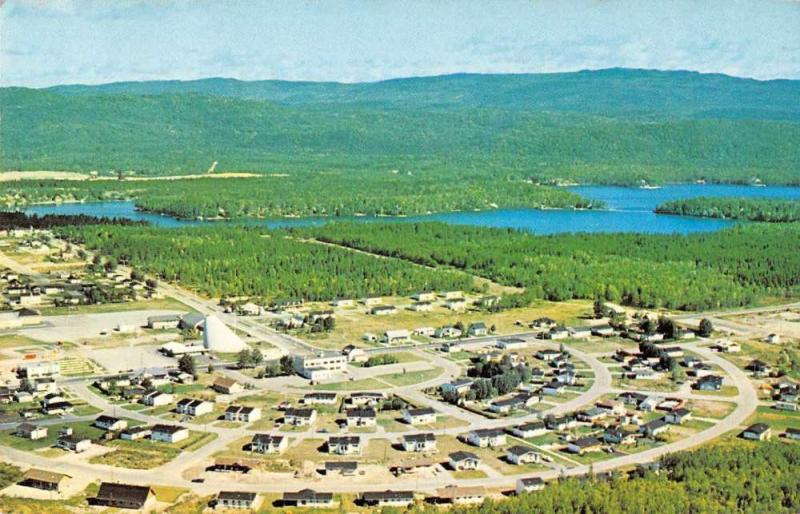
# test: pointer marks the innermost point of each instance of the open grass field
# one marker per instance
(778, 420)
(19, 340)
(352, 385)
(136, 454)
(162, 304)
(414, 377)
(353, 322)
(83, 428)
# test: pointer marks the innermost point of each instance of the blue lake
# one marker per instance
(629, 210)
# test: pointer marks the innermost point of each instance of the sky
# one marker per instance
(48, 42)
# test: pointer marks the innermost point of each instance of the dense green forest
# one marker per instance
(319, 194)
(745, 479)
(254, 262)
(12, 220)
(610, 92)
(697, 271)
(752, 209)
(501, 128)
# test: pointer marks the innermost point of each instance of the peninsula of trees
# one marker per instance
(751, 209)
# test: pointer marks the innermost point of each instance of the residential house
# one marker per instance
(456, 304)
(31, 431)
(543, 323)
(308, 498)
(135, 433)
(157, 399)
(421, 306)
(579, 332)
(528, 430)
(462, 461)
(678, 416)
(354, 353)
(419, 416)
(169, 433)
(344, 468)
(74, 443)
(42, 479)
(299, 417)
(511, 343)
(383, 310)
(237, 500)
(124, 496)
(110, 423)
(461, 495)
(425, 442)
(616, 435)
(447, 332)
(556, 333)
(361, 417)
(319, 398)
(344, 445)
(396, 337)
(425, 331)
(529, 485)
(708, 383)
(490, 437)
(548, 355)
(460, 386)
(388, 498)
(477, 329)
(192, 407)
(793, 433)
(225, 385)
(655, 427)
(520, 454)
(553, 388)
(757, 432)
(268, 443)
(604, 331)
(584, 445)
(368, 398)
(759, 368)
(424, 297)
(242, 413)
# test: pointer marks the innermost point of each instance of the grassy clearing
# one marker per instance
(726, 391)
(163, 304)
(778, 420)
(168, 494)
(414, 377)
(18, 340)
(136, 454)
(83, 428)
(352, 385)
(352, 323)
(468, 473)
(710, 409)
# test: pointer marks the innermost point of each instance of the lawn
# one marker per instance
(84, 428)
(136, 454)
(415, 377)
(18, 340)
(778, 420)
(168, 494)
(710, 409)
(351, 385)
(726, 390)
(164, 304)
(468, 473)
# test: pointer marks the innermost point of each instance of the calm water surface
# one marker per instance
(629, 210)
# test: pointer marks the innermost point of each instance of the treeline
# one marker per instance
(741, 479)
(306, 194)
(242, 261)
(186, 133)
(698, 271)
(752, 209)
(14, 220)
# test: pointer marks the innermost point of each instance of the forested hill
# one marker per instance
(185, 133)
(611, 92)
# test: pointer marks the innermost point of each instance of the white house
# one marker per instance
(419, 442)
(192, 407)
(299, 417)
(461, 461)
(483, 438)
(169, 433)
(522, 455)
(156, 399)
(361, 417)
(420, 416)
(110, 423)
(529, 485)
(268, 443)
(344, 445)
(396, 336)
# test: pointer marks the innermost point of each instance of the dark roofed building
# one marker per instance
(123, 496)
(388, 498)
(237, 500)
(308, 498)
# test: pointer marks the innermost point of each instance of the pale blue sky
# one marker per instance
(45, 42)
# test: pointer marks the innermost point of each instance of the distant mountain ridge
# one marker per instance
(610, 92)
